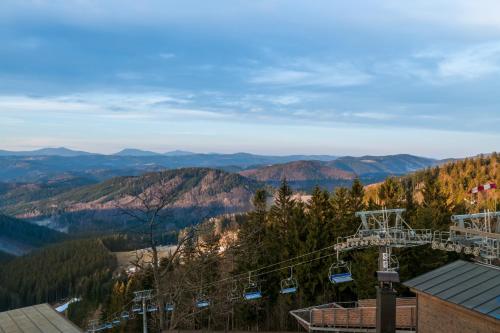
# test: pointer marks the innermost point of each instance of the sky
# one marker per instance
(262, 76)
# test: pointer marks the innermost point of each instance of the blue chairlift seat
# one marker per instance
(251, 295)
(152, 308)
(116, 321)
(340, 273)
(125, 315)
(202, 303)
(289, 285)
(101, 328)
(169, 307)
(341, 277)
(289, 290)
(108, 325)
(137, 308)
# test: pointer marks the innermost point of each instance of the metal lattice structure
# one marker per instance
(477, 234)
(386, 229)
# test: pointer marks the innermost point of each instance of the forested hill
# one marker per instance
(305, 175)
(18, 237)
(81, 268)
(459, 177)
(195, 194)
(454, 179)
(382, 165)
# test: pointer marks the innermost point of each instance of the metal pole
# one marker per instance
(144, 316)
(143, 296)
(386, 296)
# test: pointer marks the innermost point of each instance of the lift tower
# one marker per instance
(385, 229)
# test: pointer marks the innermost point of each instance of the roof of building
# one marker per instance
(474, 286)
(39, 318)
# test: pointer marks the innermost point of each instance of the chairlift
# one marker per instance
(252, 291)
(169, 307)
(136, 308)
(116, 321)
(202, 301)
(340, 272)
(108, 325)
(289, 285)
(152, 308)
(125, 315)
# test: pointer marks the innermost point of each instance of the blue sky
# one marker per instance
(262, 76)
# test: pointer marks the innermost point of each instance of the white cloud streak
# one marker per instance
(311, 73)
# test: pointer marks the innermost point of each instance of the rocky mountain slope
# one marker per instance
(195, 194)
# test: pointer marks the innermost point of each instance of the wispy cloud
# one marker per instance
(311, 73)
(167, 56)
(445, 65)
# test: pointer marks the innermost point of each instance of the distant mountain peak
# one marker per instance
(50, 151)
(135, 152)
(178, 153)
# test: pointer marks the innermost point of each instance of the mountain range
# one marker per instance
(304, 175)
(195, 194)
(46, 164)
(81, 193)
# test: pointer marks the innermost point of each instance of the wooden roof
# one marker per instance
(39, 318)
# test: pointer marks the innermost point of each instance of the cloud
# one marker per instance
(116, 106)
(167, 56)
(471, 63)
(447, 66)
(311, 73)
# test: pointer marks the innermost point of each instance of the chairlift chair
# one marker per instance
(125, 315)
(116, 321)
(202, 301)
(136, 308)
(169, 307)
(152, 308)
(252, 291)
(340, 272)
(289, 285)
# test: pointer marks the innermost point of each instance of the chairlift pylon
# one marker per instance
(252, 291)
(339, 272)
(289, 285)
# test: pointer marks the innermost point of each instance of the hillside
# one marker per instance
(455, 179)
(301, 175)
(196, 193)
(22, 167)
(16, 193)
(18, 237)
(304, 175)
(382, 165)
(79, 268)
